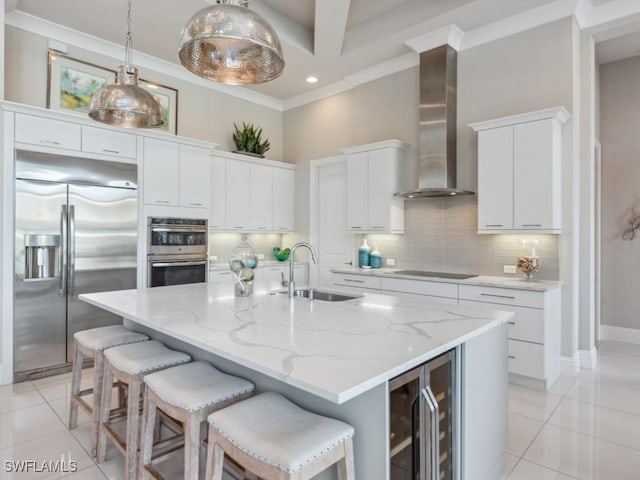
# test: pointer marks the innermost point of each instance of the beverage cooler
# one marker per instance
(423, 424)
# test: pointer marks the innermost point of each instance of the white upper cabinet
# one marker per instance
(519, 172)
(176, 174)
(358, 191)
(47, 132)
(284, 190)
(238, 211)
(194, 176)
(109, 142)
(375, 172)
(251, 195)
(261, 197)
(495, 174)
(218, 194)
(161, 172)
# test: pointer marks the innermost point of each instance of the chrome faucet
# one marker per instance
(292, 285)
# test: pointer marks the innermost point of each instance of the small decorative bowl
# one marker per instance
(281, 255)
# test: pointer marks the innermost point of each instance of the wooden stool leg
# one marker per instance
(215, 458)
(75, 386)
(98, 364)
(148, 427)
(346, 469)
(133, 423)
(105, 411)
(122, 395)
(191, 448)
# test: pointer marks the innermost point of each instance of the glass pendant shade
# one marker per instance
(231, 44)
(126, 104)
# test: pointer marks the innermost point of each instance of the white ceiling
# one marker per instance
(331, 39)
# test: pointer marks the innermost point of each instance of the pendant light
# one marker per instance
(125, 103)
(229, 43)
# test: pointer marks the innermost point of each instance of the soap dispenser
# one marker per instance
(363, 255)
(375, 259)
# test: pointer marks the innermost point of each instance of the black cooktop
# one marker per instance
(422, 273)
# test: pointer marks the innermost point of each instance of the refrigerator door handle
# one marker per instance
(434, 413)
(63, 250)
(72, 247)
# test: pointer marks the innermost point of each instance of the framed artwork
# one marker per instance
(168, 98)
(72, 83)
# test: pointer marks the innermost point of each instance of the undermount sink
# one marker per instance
(322, 295)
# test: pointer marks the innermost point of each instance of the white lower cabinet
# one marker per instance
(437, 292)
(534, 332)
(355, 283)
(267, 272)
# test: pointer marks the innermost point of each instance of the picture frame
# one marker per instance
(168, 98)
(71, 83)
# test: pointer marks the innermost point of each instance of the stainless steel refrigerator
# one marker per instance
(75, 232)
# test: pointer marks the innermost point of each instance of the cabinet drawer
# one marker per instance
(108, 142)
(272, 273)
(419, 287)
(358, 281)
(420, 297)
(503, 296)
(527, 324)
(526, 359)
(220, 276)
(47, 132)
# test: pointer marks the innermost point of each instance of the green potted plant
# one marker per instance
(249, 140)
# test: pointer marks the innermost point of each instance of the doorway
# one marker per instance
(328, 223)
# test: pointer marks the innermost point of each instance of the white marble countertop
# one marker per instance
(335, 350)
(515, 282)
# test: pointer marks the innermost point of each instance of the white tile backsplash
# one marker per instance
(441, 235)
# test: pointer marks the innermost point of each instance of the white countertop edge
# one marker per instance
(515, 283)
(337, 398)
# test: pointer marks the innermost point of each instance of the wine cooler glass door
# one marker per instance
(404, 425)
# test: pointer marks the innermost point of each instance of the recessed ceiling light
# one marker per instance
(312, 79)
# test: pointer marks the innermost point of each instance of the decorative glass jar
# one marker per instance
(528, 262)
(242, 263)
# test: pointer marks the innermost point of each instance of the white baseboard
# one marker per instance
(570, 365)
(620, 334)
(588, 358)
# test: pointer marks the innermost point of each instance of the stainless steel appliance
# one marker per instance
(177, 251)
(76, 229)
(423, 422)
(437, 125)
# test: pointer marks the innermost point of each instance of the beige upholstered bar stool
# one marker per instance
(188, 393)
(91, 344)
(274, 439)
(128, 364)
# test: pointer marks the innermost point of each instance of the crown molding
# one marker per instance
(521, 22)
(589, 16)
(449, 35)
(63, 34)
(334, 88)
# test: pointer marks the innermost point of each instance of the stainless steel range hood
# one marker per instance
(437, 125)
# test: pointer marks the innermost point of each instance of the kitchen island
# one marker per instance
(336, 358)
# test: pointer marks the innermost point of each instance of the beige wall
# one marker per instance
(527, 71)
(203, 113)
(619, 120)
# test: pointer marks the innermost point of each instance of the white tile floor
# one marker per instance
(586, 427)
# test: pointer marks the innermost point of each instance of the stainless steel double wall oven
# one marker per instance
(176, 251)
